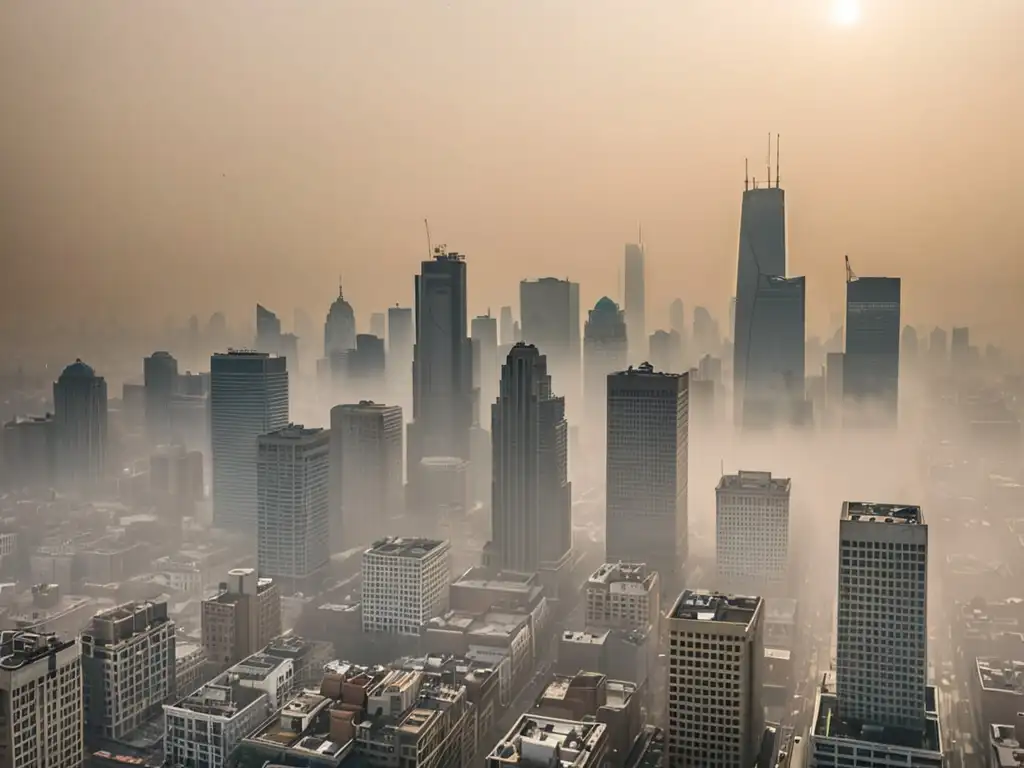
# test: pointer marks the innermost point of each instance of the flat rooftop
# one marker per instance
(750, 481)
(293, 432)
(479, 577)
(547, 741)
(310, 742)
(493, 624)
(780, 610)
(584, 638)
(701, 605)
(22, 648)
(873, 512)
(618, 573)
(220, 698)
(646, 369)
(1001, 676)
(397, 546)
(259, 666)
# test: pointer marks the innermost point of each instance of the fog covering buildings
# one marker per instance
(80, 426)
(871, 364)
(549, 309)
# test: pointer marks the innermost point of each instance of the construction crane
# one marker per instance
(850, 274)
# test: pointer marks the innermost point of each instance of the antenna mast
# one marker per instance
(746, 174)
(768, 160)
(777, 137)
(430, 246)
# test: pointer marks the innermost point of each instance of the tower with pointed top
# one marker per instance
(340, 326)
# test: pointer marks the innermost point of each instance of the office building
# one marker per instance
(646, 470)
(507, 333)
(531, 504)
(80, 426)
(293, 507)
(752, 531)
(248, 398)
(128, 668)
(715, 637)
(41, 696)
(960, 348)
(268, 331)
(405, 584)
(623, 596)
(677, 317)
(160, 373)
(666, 349)
(605, 349)
(834, 388)
(938, 351)
(635, 300)
(550, 312)
(909, 346)
(28, 452)
(486, 367)
(366, 471)
(339, 327)
(244, 616)
(442, 362)
(365, 368)
(378, 325)
(882, 628)
(401, 336)
(547, 741)
(706, 336)
(871, 365)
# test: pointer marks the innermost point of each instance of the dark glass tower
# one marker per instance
(871, 365)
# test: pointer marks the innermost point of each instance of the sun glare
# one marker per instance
(845, 13)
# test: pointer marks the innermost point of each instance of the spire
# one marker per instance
(341, 292)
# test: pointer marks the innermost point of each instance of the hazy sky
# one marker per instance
(175, 156)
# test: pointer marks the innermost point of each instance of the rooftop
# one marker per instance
(618, 692)
(303, 728)
(751, 481)
(873, 512)
(1005, 748)
(646, 369)
(19, 649)
(648, 750)
(624, 573)
(258, 667)
(293, 432)
(548, 742)
(584, 638)
(220, 698)
(1001, 676)
(398, 546)
(487, 624)
(701, 605)
(508, 581)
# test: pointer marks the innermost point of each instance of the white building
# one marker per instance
(248, 398)
(882, 627)
(273, 675)
(293, 506)
(752, 529)
(405, 583)
(623, 596)
(122, 646)
(716, 647)
(204, 728)
(535, 740)
(41, 691)
(647, 460)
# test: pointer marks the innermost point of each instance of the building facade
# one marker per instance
(243, 617)
(752, 530)
(486, 367)
(405, 584)
(605, 350)
(550, 313)
(623, 596)
(871, 364)
(160, 374)
(80, 426)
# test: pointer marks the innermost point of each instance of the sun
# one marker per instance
(845, 13)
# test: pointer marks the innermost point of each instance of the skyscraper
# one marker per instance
(871, 365)
(706, 336)
(762, 254)
(340, 326)
(666, 349)
(160, 372)
(268, 331)
(366, 471)
(636, 309)
(882, 628)
(960, 348)
(646, 474)
(486, 369)
(399, 360)
(365, 367)
(80, 426)
(378, 325)
(531, 507)
(752, 531)
(293, 506)
(550, 312)
(605, 349)
(909, 345)
(248, 398)
(507, 329)
(442, 362)
(937, 349)
(677, 316)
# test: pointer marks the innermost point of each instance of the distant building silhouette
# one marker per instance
(666, 349)
(378, 325)
(160, 374)
(268, 331)
(605, 349)
(507, 327)
(339, 327)
(486, 370)
(401, 337)
(550, 312)
(80, 426)
(871, 365)
(960, 349)
(636, 302)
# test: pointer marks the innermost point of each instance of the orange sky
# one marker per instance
(173, 157)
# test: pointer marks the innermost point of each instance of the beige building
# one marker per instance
(242, 618)
(716, 647)
(623, 596)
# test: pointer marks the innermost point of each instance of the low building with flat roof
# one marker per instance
(623, 596)
(997, 690)
(551, 742)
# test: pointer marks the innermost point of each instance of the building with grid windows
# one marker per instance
(752, 530)
(623, 596)
(646, 470)
(243, 617)
(41, 697)
(715, 713)
(405, 583)
(293, 506)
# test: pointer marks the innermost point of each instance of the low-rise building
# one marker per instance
(189, 663)
(997, 691)
(623, 596)
(275, 676)
(553, 743)
(405, 584)
(491, 635)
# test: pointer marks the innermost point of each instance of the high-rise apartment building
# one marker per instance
(160, 374)
(293, 507)
(752, 530)
(646, 470)
(366, 471)
(882, 627)
(623, 596)
(550, 313)
(715, 655)
(405, 584)
(339, 327)
(248, 398)
(486, 367)
(80, 426)
(128, 667)
(871, 365)
(41, 698)
(531, 505)
(442, 362)
(605, 349)
(636, 302)
(243, 617)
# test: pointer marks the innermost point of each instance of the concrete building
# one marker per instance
(160, 376)
(366, 471)
(531, 505)
(636, 302)
(646, 471)
(41, 697)
(80, 426)
(244, 616)
(128, 668)
(293, 507)
(623, 596)
(712, 635)
(997, 691)
(546, 741)
(752, 531)
(273, 675)
(550, 313)
(405, 583)
(883, 577)
(248, 398)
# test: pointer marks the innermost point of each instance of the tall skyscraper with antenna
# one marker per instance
(635, 300)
